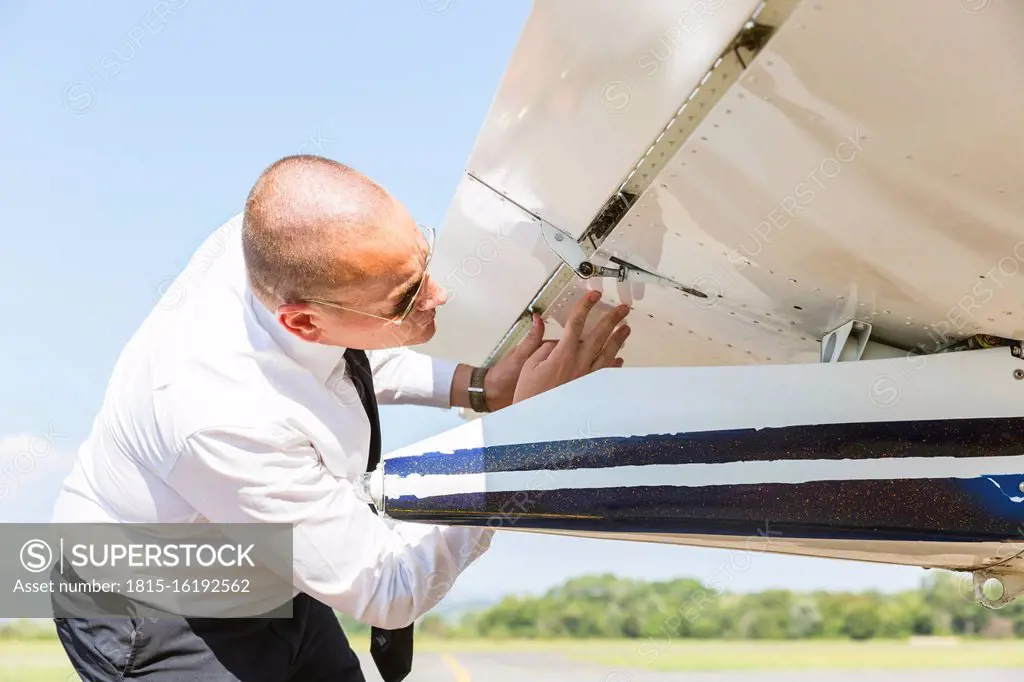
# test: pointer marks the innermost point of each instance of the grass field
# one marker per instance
(34, 661)
(708, 656)
(43, 660)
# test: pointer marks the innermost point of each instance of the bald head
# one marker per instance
(303, 216)
(337, 258)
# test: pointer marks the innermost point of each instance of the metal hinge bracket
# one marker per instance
(572, 254)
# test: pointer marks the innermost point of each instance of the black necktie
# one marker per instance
(391, 649)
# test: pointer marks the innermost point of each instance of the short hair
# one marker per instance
(300, 211)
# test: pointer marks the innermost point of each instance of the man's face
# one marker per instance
(391, 275)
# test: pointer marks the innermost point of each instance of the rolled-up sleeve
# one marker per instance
(404, 376)
(343, 554)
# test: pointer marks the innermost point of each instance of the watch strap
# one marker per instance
(477, 398)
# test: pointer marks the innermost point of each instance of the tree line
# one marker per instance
(604, 606)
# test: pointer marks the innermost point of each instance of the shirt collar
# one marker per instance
(320, 359)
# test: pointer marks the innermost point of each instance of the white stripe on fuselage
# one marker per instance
(698, 475)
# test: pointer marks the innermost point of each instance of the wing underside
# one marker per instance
(802, 164)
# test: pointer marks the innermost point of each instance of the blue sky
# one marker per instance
(131, 130)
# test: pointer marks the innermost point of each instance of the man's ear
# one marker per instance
(299, 319)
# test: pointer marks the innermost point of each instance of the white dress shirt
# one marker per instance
(215, 413)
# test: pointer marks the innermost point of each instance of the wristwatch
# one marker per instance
(477, 399)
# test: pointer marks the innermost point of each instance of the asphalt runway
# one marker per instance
(545, 667)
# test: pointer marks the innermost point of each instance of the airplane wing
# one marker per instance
(800, 199)
(803, 164)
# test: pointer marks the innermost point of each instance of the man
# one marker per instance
(246, 396)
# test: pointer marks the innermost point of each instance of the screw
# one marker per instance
(1018, 374)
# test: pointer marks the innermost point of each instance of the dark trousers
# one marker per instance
(308, 647)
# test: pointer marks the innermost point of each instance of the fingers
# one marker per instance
(578, 320)
(607, 356)
(533, 381)
(533, 339)
(617, 362)
(598, 336)
(540, 354)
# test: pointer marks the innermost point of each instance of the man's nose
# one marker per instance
(436, 296)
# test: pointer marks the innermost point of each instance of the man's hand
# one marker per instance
(503, 377)
(549, 363)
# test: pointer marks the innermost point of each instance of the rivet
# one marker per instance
(1021, 487)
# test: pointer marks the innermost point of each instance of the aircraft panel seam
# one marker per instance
(752, 37)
